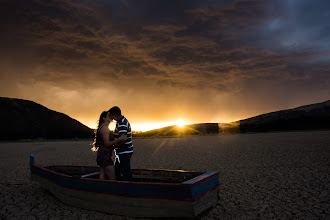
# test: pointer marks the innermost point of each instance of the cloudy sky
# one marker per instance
(166, 60)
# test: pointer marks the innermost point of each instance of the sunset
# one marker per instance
(164, 61)
(145, 109)
(151, 126)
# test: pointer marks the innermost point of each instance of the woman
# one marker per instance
(104, 147)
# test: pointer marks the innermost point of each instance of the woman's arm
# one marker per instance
(108, 145)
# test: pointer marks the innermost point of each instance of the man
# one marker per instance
(124, 150)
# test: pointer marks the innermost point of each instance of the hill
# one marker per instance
(23, 119)
(308, 117)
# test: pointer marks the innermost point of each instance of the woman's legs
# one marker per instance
(110, 172)
(102, 173)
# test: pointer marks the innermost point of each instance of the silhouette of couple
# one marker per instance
(120, 144)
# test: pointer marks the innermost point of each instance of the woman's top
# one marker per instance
(103, 157)
(99, 139)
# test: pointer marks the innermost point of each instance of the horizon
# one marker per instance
(182, 124)
(179, 123)
(166, 62)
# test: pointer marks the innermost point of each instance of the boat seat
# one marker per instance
(90, 174)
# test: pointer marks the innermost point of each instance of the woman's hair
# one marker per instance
(99, 123)
(101, 120)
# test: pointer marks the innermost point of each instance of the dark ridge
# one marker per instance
(24, 119)
(308, 117)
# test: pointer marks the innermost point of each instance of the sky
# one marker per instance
(164, 61)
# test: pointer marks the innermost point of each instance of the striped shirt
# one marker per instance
(124, 127)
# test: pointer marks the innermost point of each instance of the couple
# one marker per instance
(121, 145)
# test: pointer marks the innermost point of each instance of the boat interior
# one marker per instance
(139, 175)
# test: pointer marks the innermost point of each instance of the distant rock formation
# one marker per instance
(23, 119)
(308, 117)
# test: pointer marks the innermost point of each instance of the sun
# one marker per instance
(180, 123)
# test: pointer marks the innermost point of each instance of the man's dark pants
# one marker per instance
(124, 167)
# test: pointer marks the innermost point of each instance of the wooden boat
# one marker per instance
(153, 193)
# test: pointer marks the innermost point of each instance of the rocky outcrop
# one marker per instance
(23, 119)
(308, 117)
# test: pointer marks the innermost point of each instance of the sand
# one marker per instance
(263, 175)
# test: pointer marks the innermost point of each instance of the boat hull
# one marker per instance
(136, 199)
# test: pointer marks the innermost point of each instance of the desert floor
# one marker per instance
(263, 175)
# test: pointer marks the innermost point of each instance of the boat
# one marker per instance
(152, 193)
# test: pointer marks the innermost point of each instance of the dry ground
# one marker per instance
(263, 175)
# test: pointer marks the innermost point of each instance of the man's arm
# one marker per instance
(109, 145)
(122, 130)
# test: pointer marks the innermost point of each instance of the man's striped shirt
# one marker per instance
(124, 127)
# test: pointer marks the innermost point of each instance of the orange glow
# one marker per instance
(90, 123)
(140, 127)
(93, 124)
(180, 123)
(151, 126)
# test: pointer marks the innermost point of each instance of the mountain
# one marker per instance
(23, 119)
(308, 117)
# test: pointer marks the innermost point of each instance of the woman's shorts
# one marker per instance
(103, 158)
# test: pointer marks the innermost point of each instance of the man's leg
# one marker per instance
(125, 166)
(117, 169)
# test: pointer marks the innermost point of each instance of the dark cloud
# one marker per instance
(226, 47)
(296, 25)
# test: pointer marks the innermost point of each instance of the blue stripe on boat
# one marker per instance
(155, 191)
(203, 187)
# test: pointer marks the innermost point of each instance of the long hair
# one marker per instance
(99, 123)
(101, 120)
